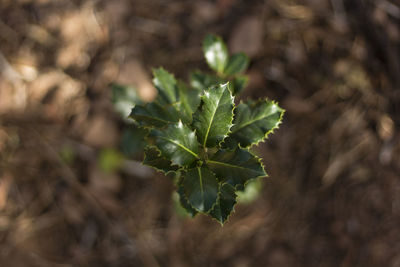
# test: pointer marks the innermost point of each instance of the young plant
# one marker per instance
(198, 133)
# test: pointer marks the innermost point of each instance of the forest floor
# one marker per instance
(332, 197)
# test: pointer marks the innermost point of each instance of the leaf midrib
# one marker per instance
(250, 122)
(230, 165)
(182, 146)
(201, 184)
(212, 118)
(153, 118)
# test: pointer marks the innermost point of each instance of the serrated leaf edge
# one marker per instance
(167, 123)
(197, 156)
(259, 160)
(233, 116)
(212, 207)
(159, 154)
(272, 131)
(233, 108)
(180, 183)
(218, 199)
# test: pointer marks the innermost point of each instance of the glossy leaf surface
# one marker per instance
(196, 135)
(213, 118)
(215, 52)
(253, 122)
(236, 167)
(201, 188)
(225, 203)
(178, 143)
(154, 115)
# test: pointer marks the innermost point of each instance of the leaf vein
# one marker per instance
(182, 146)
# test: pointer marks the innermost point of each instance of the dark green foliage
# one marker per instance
(197, 132)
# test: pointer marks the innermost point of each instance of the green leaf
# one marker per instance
(215, 52)
(132, 140)
(189, 100)
(238, 83)
(201, 188)
(178, 143)
(236, 167)
(253, 122)
(154, 115)
(154, 159)
(184, 202)
(124, 98)
(166, 85)
(237, 63)
(225, 203)
(201, 81)
(213, 118)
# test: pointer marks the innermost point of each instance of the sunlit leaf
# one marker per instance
(213, 118)
(154, 115)
(215, 52)
(236, 167)
(253, 122)
(178, 143)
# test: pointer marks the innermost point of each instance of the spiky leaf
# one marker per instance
(184, 202)
(153, 158)
(166, 85)
(178, 143)
(215, 52)
(225, 203)
(236, 167)
(237, 63)
(154, 115)
(213, 118)
(189, 100)
(201, 188)
(253, 122)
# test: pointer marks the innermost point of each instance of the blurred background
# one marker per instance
(72, 190)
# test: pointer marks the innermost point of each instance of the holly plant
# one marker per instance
(198, 134)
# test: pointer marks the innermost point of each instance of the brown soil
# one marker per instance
(333, 193)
